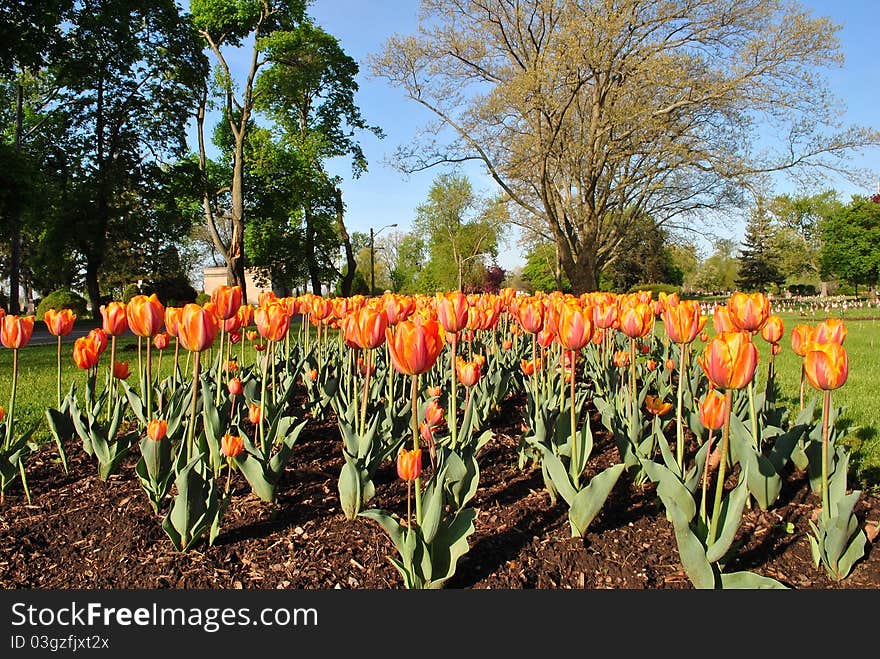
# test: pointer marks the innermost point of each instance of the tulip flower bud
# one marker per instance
(234, 387)
(59, 322)
(121, 370)
(231, 445)
(115, 321)
(254, 413)
(433, 413)
(621, 359)
(826, 365)
(657, 406)
(409, 464)
(712, 412)
(2, 413)
(157, 429)
(85, 354)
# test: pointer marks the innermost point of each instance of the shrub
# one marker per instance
(202, 297)
(129, 292)
(62, 299)
(655, 288)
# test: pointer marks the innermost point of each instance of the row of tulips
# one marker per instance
(562, 352)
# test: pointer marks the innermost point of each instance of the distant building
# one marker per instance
(218, 276)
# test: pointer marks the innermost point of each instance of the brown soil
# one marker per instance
(81, 532)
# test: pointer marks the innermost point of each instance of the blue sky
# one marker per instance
(383, 195)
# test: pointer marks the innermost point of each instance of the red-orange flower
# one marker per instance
(749, 312)
(621, 359)
(636, 320)
(198, 327)
(272, 320)
(409, 464)
(801, 338)
(160, 341)
(16, 331)
(712, 410)
(227, 300)
(172, 320)
(255, 413)
(2, 411)
(452, 311)
(773, 329)
(826, 365)
(656, 405)
(365, 328)
(59, 322)
(115, 320)
(98, 337)
(85, 353)
(684, 321)
(157, 429)
(530, 314)
(121, 370)
(312, 374)
(433, 413)
(721, 320)
(231, 445)
(670, 365)
(234, 387)
(145, 314)
(575, 326)
(468, 372)
(831, 330)
(414, 345)
(729, 360)
(528, 366)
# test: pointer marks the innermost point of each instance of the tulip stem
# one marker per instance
(706, 477)
(176, 364)
(722, 466)
(679, 426)
(754, 416)
(59, 373)
(415, 429)
(632, 378)
(575, 452)
(193, 404)
(453, 399)
(112, 393)
(149, 383)
(219, 364)
(263, 401)
(11, 416)
(826, 408)
(803, 382)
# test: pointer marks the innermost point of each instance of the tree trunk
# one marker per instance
(92, 286)
(583, 273)
(351, 263)
(14, 217)
(314, 275)
(235, 257)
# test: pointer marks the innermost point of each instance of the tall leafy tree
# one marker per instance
(851, 243)
(591, 114)
(460, 231)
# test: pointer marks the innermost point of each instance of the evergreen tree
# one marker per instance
(758, 262)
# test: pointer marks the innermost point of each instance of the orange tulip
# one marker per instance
(801, 338)
(651, 364)
(657, 406)
(2, 411)
(414, 345)
(729, 360)
(115, 320)
(712, 410)
(160, 341)
(409, 464)
(234, 387)
(684, 321)
(121, 370)
(468, 372)
(245, 315)
(773, 329)
(826, 365)
(255, 413)
(636, 320)
(749, 312)
(721, 320)
(85, 353)
(621, 359)
(98, 338)
(172, 320)
(670, 365)
(433, 413)
(16, 331)
(531, 315)
(157, 429)
(365, 328)
(575, 326)
(312, 374)
(227, 300)
(452, 311)
(528, 366)
(506, 344)
(198, 327)
(605, 314)
(59, 322)
(145, 314)
(231, 445)
(831, 330)
(398, 307)
(272, 321)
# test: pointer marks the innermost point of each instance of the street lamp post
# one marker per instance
(373, 235)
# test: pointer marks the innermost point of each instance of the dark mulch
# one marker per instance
(81, 532)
